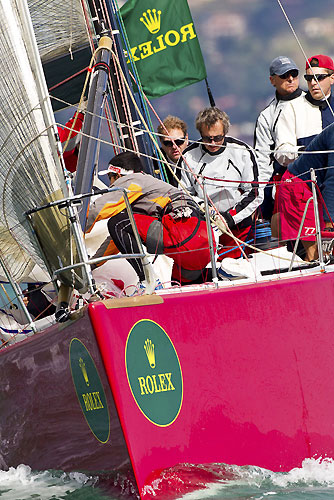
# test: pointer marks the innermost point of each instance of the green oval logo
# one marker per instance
(154, 372)
(89, 390)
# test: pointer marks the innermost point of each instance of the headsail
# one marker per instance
(68, 32)
(30, 173)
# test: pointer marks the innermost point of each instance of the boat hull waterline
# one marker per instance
(238, 375)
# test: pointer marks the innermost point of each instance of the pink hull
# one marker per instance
(241, 375)
(256, 363)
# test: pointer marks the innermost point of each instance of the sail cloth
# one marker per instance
(64, 47)
(164, 45)
(59, 27)
(30, 171)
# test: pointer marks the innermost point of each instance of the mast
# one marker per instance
(144, 144)
(103, 69)
(92, 122)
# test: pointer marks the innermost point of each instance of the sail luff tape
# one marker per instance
(105, 43)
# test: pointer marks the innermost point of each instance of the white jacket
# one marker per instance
(235, 161)
(265, 134)
(299, 122)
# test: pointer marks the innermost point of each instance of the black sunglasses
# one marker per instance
(178, 142)
(320, 77)
(212, 138)
(293, 73)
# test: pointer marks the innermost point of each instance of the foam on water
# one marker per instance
(21, 482)
(313, 480)
(318, 471)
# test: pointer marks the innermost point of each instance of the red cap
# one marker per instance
(320, 61)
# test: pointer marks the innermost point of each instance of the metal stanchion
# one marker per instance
(210, 239)
(317, 220)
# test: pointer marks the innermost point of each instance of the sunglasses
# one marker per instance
(212, 138)
(178, 142)
(320, 77)
(293, 73)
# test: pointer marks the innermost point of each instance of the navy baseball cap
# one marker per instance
(281, 65)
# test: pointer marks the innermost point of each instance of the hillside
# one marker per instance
(239, 39)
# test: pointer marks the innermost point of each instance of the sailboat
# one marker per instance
(235, 371)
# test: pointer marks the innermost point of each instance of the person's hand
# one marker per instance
(228, 219)
(212, 211)
(220, 223)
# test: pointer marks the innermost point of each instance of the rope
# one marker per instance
(68, 79)
(134, 73)
(5, 292)
(191, 141)
(220, 222)
(124, 84)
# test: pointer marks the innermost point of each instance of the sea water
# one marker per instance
(314, 480)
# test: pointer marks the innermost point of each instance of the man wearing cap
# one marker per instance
(284, 77)
(169, 222)
(305, 117)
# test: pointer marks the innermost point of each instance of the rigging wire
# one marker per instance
(134, 74)
(139, 86)
(303, 52)
(112, 10)
(102, 10)
(248, 245)
(220, 222)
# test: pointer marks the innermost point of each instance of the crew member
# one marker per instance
(70, 138)
(230, 168)
(305, 117)
(169, 222)
(284, 77)
(174, 140)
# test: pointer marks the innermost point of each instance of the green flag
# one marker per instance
(164, 45)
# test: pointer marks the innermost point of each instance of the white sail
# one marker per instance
(59, 26)
(30, 171)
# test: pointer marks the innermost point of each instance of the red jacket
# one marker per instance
(71, 152)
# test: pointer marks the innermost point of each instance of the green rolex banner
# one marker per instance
(164, 45)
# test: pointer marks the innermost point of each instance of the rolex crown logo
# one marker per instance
(84, 371)
(149, 348)
(151, 19)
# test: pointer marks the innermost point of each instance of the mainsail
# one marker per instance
(31, 174)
